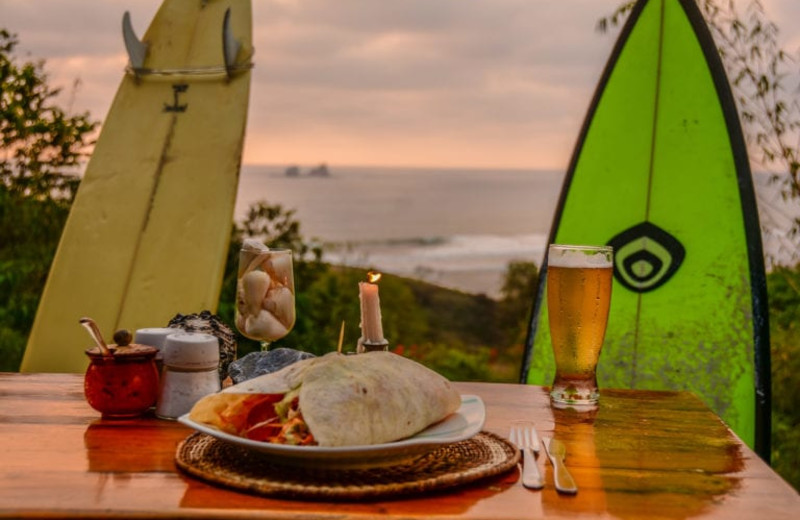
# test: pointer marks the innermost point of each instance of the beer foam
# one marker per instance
(579, 256)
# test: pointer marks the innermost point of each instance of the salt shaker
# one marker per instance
(190, 372)
(154, 337)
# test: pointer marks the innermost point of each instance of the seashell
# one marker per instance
(258, 261)
(280, 267)
(255, 285)
(241, 303)
(282, 299)
(264, 326)
(251, 249)
(241, 321)
(253, 244)
(269, 304)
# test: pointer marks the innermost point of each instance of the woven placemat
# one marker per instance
(217, 462)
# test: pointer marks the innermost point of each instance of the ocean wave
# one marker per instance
(471, 263)
(387, 242)
(457, 253)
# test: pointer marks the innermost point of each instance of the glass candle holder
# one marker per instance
(265, 306)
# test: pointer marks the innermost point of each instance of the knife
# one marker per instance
(556, 451)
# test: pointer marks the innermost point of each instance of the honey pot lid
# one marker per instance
(124, 351)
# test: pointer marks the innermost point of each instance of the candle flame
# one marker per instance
(373, 276)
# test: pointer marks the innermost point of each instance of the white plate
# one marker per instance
(464, 423)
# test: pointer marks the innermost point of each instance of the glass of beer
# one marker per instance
(578, 299)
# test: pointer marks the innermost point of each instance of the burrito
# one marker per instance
(333, 400)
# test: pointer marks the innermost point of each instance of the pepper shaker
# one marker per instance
(190, 372)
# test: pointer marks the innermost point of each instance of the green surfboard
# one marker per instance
(660, 172)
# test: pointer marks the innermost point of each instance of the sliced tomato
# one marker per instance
(266, 431)
(262, 410)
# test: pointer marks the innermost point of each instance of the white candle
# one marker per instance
(371, 327)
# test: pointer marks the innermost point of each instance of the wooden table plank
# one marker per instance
(641, 455)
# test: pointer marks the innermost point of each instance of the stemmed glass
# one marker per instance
(264, 292)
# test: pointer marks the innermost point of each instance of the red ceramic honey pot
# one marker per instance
(121, 380)
(124, 383)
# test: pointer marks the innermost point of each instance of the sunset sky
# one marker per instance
(462, 83)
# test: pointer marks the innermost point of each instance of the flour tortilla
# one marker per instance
(346, 400)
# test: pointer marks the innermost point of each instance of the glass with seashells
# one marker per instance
(265, 308)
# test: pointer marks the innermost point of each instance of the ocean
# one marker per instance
(457, 228)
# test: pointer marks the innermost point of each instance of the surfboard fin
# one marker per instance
(137, 49)
(236, 56)
(231, 47)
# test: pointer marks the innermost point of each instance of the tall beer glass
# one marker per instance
(578, 299)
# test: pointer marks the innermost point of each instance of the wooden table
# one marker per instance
(641, 455)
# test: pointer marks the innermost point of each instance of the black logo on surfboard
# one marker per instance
(646, 257)
(177, 90)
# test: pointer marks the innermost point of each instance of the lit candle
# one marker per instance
(371, 327)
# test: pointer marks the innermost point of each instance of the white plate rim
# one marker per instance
(472, 412)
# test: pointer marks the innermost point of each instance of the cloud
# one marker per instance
(461, 82)
(478, 74)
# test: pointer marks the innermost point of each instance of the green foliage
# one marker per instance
(456, 364)
(783, 285)
(759, 70)
(519, 290)
(617, 17)
(40, 144)
(784, 290)
(333, 299)
(465, 337)
(29, 233)
(455, 317)
(459, 335)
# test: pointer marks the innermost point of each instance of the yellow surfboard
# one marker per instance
(149, 229)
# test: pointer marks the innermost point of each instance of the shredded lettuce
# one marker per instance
(282, 407)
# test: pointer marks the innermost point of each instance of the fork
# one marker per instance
(523, 435)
